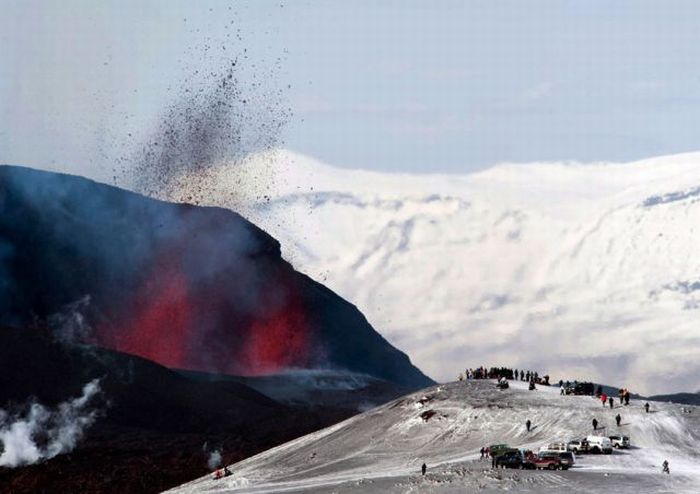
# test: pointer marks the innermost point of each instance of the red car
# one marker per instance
(549, 462)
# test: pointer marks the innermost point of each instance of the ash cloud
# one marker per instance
(229, 106)
(41, 433)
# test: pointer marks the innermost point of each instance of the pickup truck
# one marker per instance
(578, 446)
(620, 442)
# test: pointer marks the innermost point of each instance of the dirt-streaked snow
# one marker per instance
(382, 450)
(599, 260)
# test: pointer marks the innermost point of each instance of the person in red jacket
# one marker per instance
(604, 398)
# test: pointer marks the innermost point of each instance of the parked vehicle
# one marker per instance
(567, 458)
(599, 444)
(513, 459)
(549, 461)
(527, 454)
(498, 449)
(556, 447)
(578, 446)
(620, 442)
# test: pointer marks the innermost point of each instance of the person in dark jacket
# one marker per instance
(482, 451)
(595, 424)
(610, 401)
(646, 407)
(664, 468)
(618, 419)
(528, 424)
(423, 468)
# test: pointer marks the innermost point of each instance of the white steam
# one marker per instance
(214, 459)
(42, 433)
(70, 326)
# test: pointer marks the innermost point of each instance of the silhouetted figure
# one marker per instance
(610, 401)
(618, 419)
(227, 472)
(528, 424)
(664, 468)
(646, 407)
(482, 450)
(522, 375)
(423, 468)
(531, 387)
(595, 425)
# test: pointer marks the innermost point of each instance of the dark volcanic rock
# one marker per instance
(152, 422)
(188, 287)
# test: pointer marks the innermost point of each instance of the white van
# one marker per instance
(599, 444)
(554, 448)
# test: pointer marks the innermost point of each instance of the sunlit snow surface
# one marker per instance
(382, 450)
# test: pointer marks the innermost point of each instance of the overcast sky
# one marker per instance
(410, 86)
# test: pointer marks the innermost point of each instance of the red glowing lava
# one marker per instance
(159, 328)
(187, 322)
(278, 341)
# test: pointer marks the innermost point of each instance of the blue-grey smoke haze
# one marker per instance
(402, 86)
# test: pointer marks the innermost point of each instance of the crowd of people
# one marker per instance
(504, 372)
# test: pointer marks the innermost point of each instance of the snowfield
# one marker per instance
(382, 450)
(590, 270)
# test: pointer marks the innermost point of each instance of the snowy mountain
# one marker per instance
(578, 270)
(382, 450)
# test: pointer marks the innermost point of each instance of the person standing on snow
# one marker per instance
(423, 468)
(604, 398)
(482, 451)
(618, 419)
(595, 424)
(611, 400)
(646, 407)
(664, 468)
(528, 424)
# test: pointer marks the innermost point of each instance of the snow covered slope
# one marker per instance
(382, 450)
(589, 269)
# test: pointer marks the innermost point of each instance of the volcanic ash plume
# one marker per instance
(42, 433)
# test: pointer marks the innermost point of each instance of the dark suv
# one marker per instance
(512, 459)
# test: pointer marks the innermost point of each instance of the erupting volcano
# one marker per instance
(188, 287)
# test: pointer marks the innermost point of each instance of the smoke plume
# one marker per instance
(43, 433)
(214, 459)
(70, 325)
